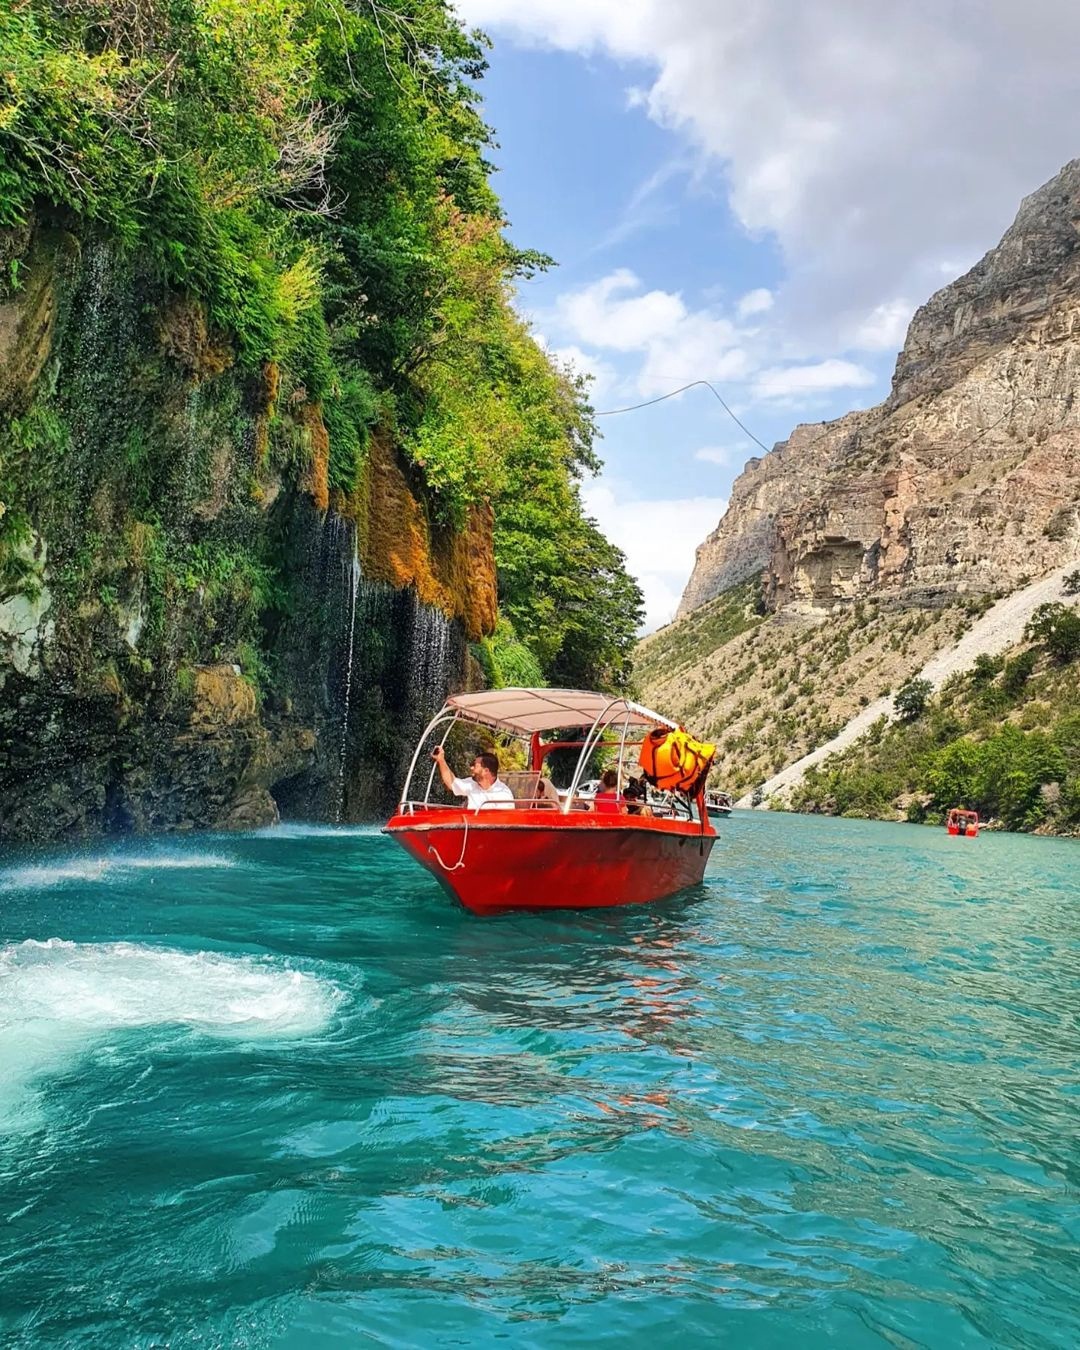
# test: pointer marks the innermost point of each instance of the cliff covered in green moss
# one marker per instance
(279, 464)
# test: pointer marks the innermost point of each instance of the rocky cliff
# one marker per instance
(196, 628)
(965, 480)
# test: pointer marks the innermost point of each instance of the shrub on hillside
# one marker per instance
(1018, 671)
(1002, 776)
(1057, 627)
(985, 668)
(911, 699)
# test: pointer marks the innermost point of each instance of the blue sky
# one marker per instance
(757, 197)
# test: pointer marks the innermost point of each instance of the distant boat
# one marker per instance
(718, 803)
(962, 822)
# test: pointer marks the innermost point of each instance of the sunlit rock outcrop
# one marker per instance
(965, 479)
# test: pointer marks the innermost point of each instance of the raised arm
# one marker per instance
(439, 756)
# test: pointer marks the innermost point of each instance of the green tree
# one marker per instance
(911, 699)
(315, 172)
(1057, 627)
(1018, 670)
(984, 668)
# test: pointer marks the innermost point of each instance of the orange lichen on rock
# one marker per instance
(452, 570)
(263, 397)
(316, 441)
(221, 697)
(28, 315)
(466, 561)
(185, 336)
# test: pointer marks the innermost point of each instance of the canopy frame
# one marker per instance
(526, 713)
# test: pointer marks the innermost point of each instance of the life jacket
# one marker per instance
(609, 802)
(673, 760)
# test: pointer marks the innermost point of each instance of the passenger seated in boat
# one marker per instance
(484, 788)
(547, 794)
(636, 793)
(608, 798)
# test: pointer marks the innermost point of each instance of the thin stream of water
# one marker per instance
(352, 575)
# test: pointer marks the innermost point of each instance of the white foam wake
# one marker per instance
(44, 875)
(298, 829)
(58, 998)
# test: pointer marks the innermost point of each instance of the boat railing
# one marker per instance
(411, 808)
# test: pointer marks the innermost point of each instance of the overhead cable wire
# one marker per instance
(952, 451)
(611, 412)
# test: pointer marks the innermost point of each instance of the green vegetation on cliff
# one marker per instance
(768, 688)
(1003, 739)
(295, 189)
(701, 633)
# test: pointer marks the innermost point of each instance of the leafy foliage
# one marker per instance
(506, 662)
(704, 630)
(1057, 627)
(314, 172)
(911, 699)
(1003, 740)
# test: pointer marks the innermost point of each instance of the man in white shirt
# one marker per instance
(484, 788)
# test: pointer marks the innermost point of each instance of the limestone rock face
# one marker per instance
(965, 479)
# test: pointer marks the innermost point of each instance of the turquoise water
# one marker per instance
(275, 1090)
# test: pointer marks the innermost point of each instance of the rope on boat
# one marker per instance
(461, 860)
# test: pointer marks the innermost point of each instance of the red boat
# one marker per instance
(551, 850)
(962, 822)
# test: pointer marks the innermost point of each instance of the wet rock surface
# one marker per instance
(192, 634)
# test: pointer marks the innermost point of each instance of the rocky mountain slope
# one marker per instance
(770, 688)
(1000, 629)
(965, 479)
(857, 550)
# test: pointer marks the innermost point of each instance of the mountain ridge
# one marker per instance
(964, 476)
(861, 552)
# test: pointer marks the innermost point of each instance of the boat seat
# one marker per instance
(530, 787)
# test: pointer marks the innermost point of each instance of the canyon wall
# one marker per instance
(966, 480)
(197, 628)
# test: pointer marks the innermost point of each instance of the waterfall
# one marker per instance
(95, 363)
(368, 665)
(352, 581)
(189, 485)
(427, 660)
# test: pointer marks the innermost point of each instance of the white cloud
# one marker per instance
(604, 377)
(727, 456)
(871, 141)
(674, 342)
(607, 314)
(884, 327)
(793, 381)
(676, 345)
(755, 302)
(658, 536)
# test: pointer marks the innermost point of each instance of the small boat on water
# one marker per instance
(962, 822)
(718, 803)
(544, 849)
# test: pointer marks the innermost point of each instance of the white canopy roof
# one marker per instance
(529, 710)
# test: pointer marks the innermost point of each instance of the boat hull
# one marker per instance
(547, 860)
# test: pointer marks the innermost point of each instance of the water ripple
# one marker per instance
(828, 1098)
